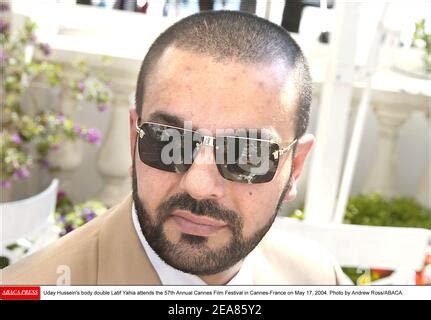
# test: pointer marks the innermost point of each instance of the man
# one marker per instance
(199, 215)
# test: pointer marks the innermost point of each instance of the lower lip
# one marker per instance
(189, 227)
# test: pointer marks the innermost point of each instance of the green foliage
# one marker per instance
(376, 210)
(92, 85)
(298, 214)
(4, 262)
(70, 216)
(422, 39)
(365, 276)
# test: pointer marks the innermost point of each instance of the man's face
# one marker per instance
(197, 221)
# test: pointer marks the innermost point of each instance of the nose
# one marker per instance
(202, 180)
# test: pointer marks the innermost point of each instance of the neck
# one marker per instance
(223, 277)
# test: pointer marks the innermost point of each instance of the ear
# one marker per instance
(303, 148)
(133, 117)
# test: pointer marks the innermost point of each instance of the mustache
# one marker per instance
(209, 208)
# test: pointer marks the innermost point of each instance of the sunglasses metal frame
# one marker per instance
(209, 140)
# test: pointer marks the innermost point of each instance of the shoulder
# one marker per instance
(296, 260)
(70, 260)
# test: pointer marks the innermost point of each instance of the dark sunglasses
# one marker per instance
(239, 159)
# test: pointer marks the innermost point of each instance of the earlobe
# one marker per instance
(303, 148)
(291, 194)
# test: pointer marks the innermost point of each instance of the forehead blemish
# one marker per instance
(250, 193)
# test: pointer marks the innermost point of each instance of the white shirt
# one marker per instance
(171, 276)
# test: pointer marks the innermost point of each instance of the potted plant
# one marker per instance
(68, 216)
(31, 130)
(374, 209)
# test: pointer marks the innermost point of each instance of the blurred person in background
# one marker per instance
(245, 5)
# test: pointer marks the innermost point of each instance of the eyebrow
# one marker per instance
(177, 121)
(166, 118)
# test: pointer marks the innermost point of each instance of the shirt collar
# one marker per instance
(171, 276)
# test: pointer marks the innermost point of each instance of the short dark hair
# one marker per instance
(234, 36)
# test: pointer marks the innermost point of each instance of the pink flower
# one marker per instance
(21, 173)
(93, 136)
(15, 138)
(61, 118)
(61, 194)
(6, 184)
(81, 86)
(3, 56)
(102, 107)
(77, 129)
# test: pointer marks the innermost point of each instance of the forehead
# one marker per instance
(221, 94)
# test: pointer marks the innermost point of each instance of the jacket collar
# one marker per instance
(122, 259)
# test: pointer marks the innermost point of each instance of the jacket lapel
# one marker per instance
(122, 259)
(276, 260)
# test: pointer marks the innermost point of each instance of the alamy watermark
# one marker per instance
(247, 148)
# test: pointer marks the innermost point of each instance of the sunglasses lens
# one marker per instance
(238, 159)
(246, 160)
(162, 147)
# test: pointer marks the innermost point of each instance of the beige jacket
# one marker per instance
(107, 251)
